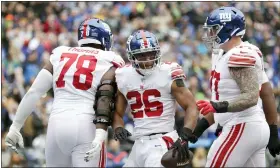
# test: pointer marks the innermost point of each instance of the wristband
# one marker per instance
(220, 107)
(201, 126)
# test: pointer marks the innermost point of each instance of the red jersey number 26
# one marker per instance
(151, 109)
(87, 71)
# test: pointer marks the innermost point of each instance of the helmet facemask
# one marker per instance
(210, 36)
(145, 60)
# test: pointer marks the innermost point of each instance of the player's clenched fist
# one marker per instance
(121, 134)
(187, 135)
(96, 145)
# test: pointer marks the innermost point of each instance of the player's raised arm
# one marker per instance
(40, 86)
(186, 100)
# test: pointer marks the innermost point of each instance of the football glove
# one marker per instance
(96, 145)
(273, 143)
(14, 139)
(121, 133)
(187, 135)
(206, 107)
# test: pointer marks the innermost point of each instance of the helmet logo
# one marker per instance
(225, 17)
(145, 44)
(84, 33)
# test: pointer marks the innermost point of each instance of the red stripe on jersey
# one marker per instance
(168, 141)
(220, 148)
(239, 136)
(242, 60)
(103, 156)
(227, 146)
(242, 55)
(177, 73)
(100, 158)
(144, 38)
(247, 60)
(116, 65)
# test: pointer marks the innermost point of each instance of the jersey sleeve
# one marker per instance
(118, 61)
(176, 72)
(56, 54)
(241, 57)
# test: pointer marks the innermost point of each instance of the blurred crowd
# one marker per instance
(31, 30)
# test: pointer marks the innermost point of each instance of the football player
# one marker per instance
(236, 79)
(270, 111)
(75, 74)
(151, 88)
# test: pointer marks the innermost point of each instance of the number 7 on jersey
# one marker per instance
(87, 71)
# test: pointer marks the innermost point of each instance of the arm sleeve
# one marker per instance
(40, 86)
(176, 72)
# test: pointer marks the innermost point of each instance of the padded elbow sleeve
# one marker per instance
(104, 105)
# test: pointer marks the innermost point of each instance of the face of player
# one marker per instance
(146, 60)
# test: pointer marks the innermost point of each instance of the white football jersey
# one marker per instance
(77, 72)
(224, 87)
(149, 97)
